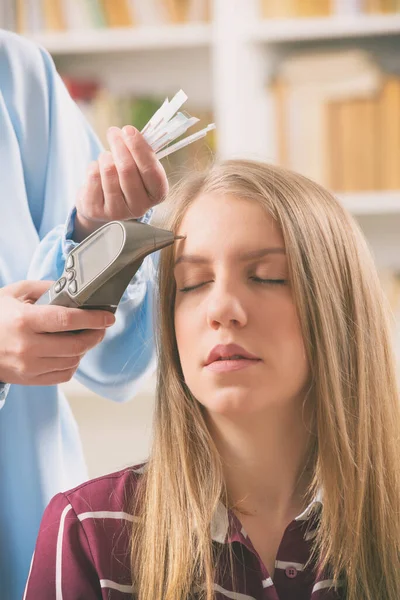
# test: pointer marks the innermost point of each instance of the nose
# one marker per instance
(225, 308)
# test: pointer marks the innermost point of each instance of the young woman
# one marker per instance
(274, 472)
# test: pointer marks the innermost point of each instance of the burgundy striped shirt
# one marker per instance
(82, 551)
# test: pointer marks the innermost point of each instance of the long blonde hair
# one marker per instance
(346, 330)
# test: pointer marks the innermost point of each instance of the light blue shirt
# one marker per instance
(45, 147)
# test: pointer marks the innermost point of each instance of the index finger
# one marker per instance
(51, 319)
(26, 290)
(151, 170)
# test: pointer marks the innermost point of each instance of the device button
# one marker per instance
(70, 262)
(60, 284)
(71, 275)
(73, 287)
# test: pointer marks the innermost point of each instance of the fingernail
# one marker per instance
(92, 168)
(129, 131)
(112, 130)
(109, 320)
(107, 158)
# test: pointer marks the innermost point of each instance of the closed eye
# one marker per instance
(193, 287)
(255, 279)
(269, 281)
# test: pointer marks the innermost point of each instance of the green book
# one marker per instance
(96, 13)
(142, 109)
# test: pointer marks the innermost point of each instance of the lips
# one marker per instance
(229, 352)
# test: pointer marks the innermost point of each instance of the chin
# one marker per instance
(232, 401)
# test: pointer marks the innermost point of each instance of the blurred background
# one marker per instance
(311, 84)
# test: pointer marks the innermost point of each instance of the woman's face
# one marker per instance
(237, 329)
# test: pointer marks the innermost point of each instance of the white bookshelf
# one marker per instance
(226, 66)
(324, 28)
(133, 39)
(372, 203)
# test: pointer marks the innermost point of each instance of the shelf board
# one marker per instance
(102, 41)
(308, 29)
(371, 203)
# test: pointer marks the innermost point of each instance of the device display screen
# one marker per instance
(96, 255)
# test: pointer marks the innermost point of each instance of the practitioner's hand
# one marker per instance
(122, 184)
(37, 346)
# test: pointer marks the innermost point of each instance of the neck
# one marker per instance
(264, 460)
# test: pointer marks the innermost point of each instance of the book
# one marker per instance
(141, 110)
(332, 149)
(366, 136)
(388, 6)
(353, 145)
(271, 9)
(76, 15)
(390, 281)
(325, 8)
(178, 10)
(118, 13)
(347, 7)
(8, 15)
(149, 12)
(279, 92)
(371, 6)
(199, 11)
(29, 16)
(308, 83)
(81, 89)
(347, 151)
(313, 8)
(95, 13)
(34, 16)
(53, 15)
(389, 134)
(103, 112)
(368, 131)
(380, 6)
(306, 131)
(21, 17)
(325, 66)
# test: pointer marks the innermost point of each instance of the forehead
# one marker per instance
(217, 219)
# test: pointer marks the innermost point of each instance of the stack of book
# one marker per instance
(338, 119)
(391, 284)
(324, 8)
(103, 109)
(35, 16)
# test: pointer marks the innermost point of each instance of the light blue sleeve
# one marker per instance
(56, 145)
(4, 387)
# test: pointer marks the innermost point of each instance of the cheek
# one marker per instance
(282, 328)
(294, 354)
(185, 334)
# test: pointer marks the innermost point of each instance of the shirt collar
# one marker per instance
(311, 507)
(226, 527)
(220, 524)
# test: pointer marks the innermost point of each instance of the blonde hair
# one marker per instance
(346, 331)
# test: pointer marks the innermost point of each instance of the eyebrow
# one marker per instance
(246, 256)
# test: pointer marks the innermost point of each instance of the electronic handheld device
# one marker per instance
(99, 269)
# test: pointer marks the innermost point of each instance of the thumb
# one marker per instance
(26, 291)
